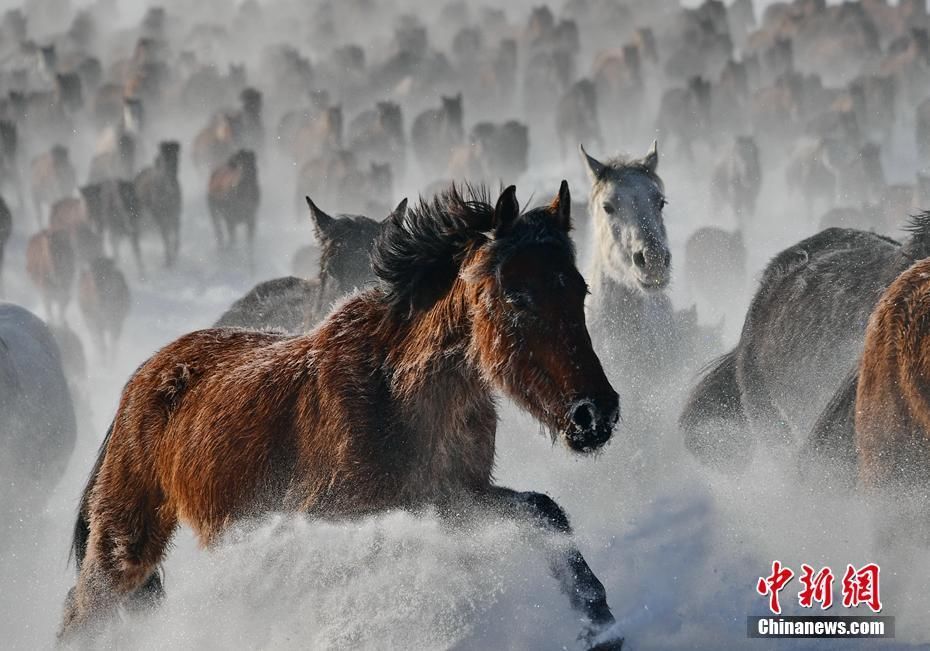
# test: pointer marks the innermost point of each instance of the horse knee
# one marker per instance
(547, 511)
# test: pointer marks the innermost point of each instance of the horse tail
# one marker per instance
(82, 524)
(713, 420)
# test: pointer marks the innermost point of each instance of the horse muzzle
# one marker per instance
(652, 265)
(591, 423)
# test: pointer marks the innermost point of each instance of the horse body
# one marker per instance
(103, 297)
(892, 411)
(577, 116)
(296, 304)
(802, 335)
(35, 408)
(377, 136)
(737, 179)
(159, 195)
(53, 178)
(233, 196)
(290, 304)
(113, 208)
(70, 216)
(118, 145)
(337, 466)
(435, 132)
(10, 176)
(388, 403)
(50, 265)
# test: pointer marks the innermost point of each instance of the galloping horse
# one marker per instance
(800, 344)
(387, 404)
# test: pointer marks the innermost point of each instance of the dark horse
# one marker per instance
(801, 340)
(389, 403)
(296, 304)
(37, 424)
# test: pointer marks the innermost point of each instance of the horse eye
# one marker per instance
(662, 203)
(609, 209)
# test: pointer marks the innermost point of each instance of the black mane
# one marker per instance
(417, 257)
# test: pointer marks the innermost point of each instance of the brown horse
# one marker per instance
(51, 265)
(233, 195)
(389, 403)
(892, 413)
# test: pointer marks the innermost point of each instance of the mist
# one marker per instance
(678, 545)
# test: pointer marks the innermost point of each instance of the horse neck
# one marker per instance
(620, 308)
(430, 345)
(443, 398)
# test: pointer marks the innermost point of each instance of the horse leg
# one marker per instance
(166, 240)
(129, 532)
(585, 592)
(217, 229)
(765, 418)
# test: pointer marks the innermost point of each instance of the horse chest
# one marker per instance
(631, 324)
(453, 443)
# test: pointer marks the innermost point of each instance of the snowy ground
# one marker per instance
(678, 548)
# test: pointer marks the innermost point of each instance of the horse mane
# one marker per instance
(417, 256)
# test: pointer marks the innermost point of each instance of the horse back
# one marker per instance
(805, 325)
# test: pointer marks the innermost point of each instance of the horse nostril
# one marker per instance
(639, 259)
(583, 416)
(668, 258)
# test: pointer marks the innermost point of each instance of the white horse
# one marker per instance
(642, 340)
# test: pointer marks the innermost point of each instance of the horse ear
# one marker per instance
(400, 211)
(321, 221)
(562, 207)
(507, 211)
(651, 159)
(595, 168)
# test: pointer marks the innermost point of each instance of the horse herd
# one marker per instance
(387, 401)
(366, 381)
